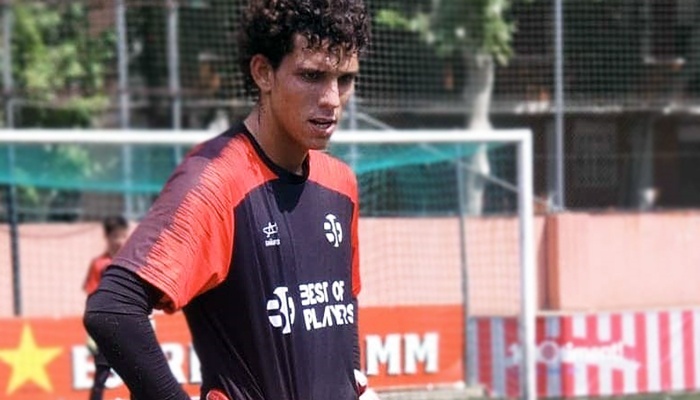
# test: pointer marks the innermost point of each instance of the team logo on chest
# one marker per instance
(320, 304)
(334, 231)
(271, 234)
(281, 310)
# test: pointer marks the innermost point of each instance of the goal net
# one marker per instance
(446, 242)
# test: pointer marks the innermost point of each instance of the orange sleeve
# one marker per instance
(92, 279)
(184, 245)
(95, 271)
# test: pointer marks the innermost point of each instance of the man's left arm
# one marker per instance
(361, 383)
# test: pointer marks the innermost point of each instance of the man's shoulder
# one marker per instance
(333, 173)
(329, 164)
(217, 146)
(227, 153)
(227, 164)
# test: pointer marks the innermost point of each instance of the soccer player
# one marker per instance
(254, 236)
(115, 231)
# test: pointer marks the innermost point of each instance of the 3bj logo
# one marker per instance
(281, 310)
(334, 231)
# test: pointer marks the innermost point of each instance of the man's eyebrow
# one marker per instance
(304, 69)
(324, 68)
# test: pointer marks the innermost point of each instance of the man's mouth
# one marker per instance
(323, 123)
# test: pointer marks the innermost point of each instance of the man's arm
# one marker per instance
(116, 316)
(356, 354)
(361, 382)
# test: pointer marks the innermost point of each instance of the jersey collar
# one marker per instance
(281, 173)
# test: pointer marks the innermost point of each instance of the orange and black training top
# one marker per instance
(264, 264)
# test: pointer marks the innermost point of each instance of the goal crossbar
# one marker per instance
(183, 137)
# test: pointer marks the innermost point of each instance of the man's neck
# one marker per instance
(276, 146)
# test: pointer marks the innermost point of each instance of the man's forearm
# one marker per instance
(116, 316)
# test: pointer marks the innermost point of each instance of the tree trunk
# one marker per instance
(481, 71)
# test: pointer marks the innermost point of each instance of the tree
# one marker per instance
(480, 32)
(58, 65)
(59, 70)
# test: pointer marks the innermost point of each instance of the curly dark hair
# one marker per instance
(268, 27)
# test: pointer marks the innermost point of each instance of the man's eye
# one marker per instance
(311, 76)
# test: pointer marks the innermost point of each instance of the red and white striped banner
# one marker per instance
(592, 354)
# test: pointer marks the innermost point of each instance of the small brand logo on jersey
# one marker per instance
(270, 231)
(334, 232)
(281, 310)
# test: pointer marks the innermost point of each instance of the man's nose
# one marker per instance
(331, 94)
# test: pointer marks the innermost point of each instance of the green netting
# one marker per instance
(113, 168)
(65, 182)
(366, 158)
(144, 168)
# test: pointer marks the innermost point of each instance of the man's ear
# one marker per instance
(262, 72)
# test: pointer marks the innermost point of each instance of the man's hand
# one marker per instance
(362, 389)
(369, 394)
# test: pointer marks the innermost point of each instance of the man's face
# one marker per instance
(116, 239)
(311, 87)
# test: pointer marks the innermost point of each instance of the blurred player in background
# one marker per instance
(254, 236)
(115, 230)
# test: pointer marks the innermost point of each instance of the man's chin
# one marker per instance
(319, 143)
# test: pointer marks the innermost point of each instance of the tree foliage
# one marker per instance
(60, 69)
(58, 65)
(478, 26)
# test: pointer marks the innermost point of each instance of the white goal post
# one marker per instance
(521, 139)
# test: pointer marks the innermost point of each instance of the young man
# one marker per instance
(115, 231)
(254, 235)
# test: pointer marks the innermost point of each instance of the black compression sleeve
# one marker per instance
(116, 317)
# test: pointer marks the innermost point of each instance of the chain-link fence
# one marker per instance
(616, 102)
